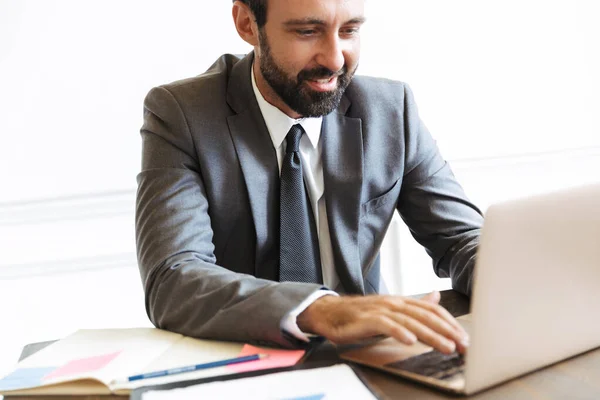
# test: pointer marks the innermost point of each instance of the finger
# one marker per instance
(399, 304)
(436, 308)
(425, 334)
(442, 313)
(434, 322)
(389, 327)
(433, 297)
(369, 326)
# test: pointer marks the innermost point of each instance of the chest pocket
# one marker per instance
(375, 218)
(381, 200)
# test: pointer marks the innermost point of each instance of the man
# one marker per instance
(268, 183)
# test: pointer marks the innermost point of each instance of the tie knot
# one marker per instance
(293, 138)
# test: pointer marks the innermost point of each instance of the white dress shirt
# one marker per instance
(278, 125)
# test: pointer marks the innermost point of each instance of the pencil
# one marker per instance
(196, 367)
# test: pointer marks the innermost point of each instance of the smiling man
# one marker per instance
(269, 181)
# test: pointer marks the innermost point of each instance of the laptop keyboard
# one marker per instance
(433, 364)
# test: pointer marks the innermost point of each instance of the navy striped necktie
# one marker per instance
(299, 256)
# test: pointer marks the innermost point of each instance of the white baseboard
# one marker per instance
(96, 231)
(70, 207)
(68, 266)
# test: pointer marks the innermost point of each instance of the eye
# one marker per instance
(306, 32)
(352, 31)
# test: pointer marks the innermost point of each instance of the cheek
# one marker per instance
(300, 55)
(291, 57)
(295, 62)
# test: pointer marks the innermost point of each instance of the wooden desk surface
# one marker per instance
(575, 378)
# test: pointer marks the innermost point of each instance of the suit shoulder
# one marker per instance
(374, 97)
(209, 87)
(379, 90)
(363, 80)
(218, 71)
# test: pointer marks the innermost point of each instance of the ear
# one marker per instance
(245, 23)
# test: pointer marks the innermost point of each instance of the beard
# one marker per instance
(295, 93)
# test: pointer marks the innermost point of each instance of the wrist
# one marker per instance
(312, 318)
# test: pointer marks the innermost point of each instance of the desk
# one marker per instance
(575, 378)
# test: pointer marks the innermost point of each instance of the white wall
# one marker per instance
(495, 78)
(74, 75)
(508, 88)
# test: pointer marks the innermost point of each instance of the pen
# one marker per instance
(196, 367)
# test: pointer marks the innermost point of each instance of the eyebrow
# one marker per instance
(316, 21)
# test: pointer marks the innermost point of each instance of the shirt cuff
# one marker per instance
(289, 323)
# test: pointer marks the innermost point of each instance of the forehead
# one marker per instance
(328, 11)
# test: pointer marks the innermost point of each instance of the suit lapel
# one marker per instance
(258, 162)
(342, 174)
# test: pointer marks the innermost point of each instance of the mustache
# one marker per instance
(320, 73)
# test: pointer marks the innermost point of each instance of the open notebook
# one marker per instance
(98, 361)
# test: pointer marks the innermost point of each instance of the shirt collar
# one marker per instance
(278, 123)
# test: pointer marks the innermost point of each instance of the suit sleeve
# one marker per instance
(434, 205)
(186, 291)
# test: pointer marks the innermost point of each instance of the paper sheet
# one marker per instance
(277, 358)
(188, 351)
(24, 378)
(94, 356)
(83, 365)
(337, 382)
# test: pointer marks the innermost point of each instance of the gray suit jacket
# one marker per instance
(207, 204)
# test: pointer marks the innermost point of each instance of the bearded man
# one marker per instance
(269, 181)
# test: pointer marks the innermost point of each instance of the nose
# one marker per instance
(331, 53)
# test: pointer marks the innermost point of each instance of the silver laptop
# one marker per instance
(536, 296)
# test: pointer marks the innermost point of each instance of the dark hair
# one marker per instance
(259, 9)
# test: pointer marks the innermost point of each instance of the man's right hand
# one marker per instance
(348, 319)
